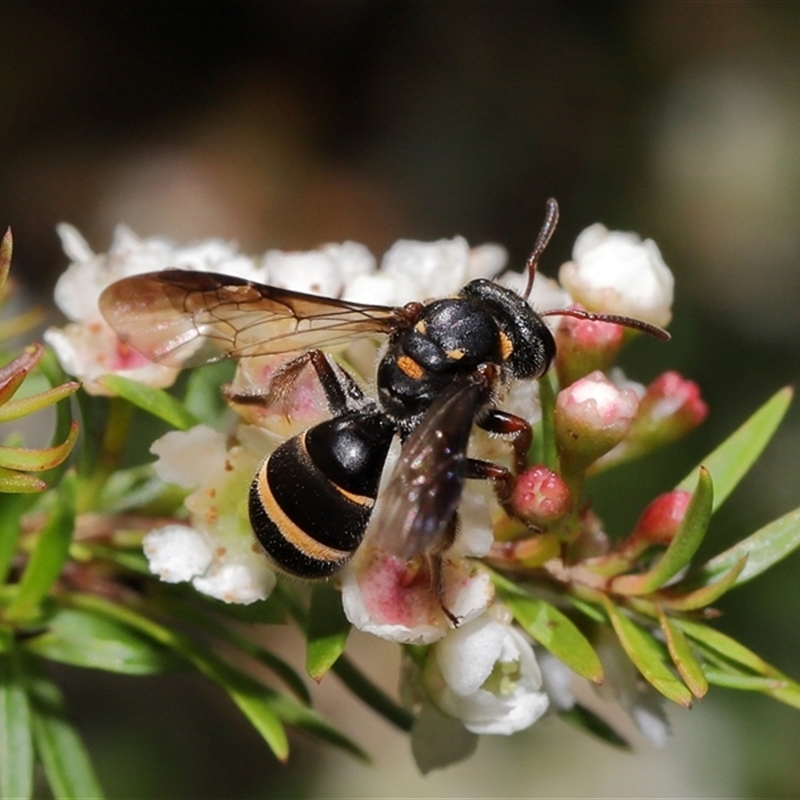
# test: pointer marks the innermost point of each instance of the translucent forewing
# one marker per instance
(417, 508)
(181, 318)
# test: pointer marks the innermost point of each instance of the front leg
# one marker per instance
(502, 480)
(519, 429)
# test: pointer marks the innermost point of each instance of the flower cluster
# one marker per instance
(489, 640)
(509, 597)
(87, 347)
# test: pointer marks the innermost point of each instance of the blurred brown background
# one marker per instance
(287, 124)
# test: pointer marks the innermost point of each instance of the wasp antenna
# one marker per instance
(616, 319)
(548, 226)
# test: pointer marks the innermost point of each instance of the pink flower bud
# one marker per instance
(672, 402)
(583, 346)
(670, 407)
(592, 415)
(660, 521)
(541, 497)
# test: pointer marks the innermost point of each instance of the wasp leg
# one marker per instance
(342, 393)
(436, 565)
(497, 421)
(502, 479)
(278, 389)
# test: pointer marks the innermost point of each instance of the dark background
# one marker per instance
(288, 124)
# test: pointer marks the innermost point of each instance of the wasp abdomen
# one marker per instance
(311, 500)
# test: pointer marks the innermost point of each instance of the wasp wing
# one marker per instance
(182, 318)
(419, 504)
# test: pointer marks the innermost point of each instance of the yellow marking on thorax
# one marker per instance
(455, 355)
(410, 367)
(506, 346)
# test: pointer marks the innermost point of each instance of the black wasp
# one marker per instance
(439, 374)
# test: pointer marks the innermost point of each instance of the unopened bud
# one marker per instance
(660, 521)
(591, 417)
(584, 345)
(541, 497)
(671, 407)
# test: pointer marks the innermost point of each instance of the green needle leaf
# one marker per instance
(305, 719)
(584, 718)
(547, 400)
(16, 742)
(723, 645)
(227, 633)
(678, 599)
(739, 664)
(646, 654)
(350, 675)
(743, 681)
(18, 483)
(66, 763)
(762, 549)
(14, 373)
(682, 656)
(253, 699)
(51, 552)
(6, 249)
(328, 628)
(16, 409)
(11, 509)
(154, 401)
(557, 633)
(730, 462)
(86, 639)
(38, 459)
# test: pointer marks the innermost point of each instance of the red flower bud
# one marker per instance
(583, 346)
(660, 521)
(672, 397)
(670, 407)
(541, 497)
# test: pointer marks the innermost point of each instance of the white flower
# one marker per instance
(427, 269)
(387, 596)
(413, 270)
(546, 293)
(485, 674)
(87, 347)
(623, 683)
(216, 255)
(618, 273)
(557, 680)
(178, 553)
(90, 350)
(324, 272)
(216, 551)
